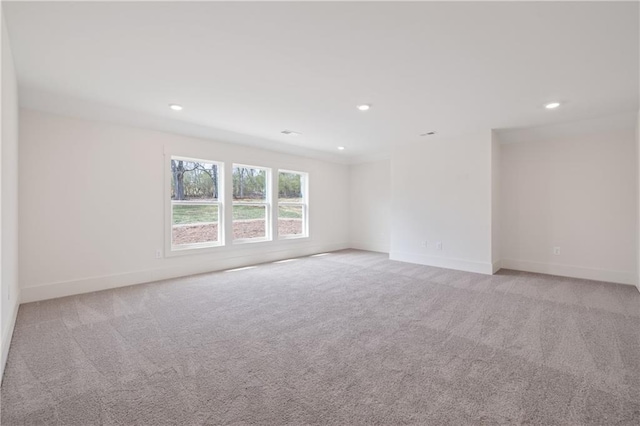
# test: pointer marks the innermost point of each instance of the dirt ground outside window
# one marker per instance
(202, 233)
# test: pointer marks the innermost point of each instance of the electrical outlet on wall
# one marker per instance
(424, 244)
(158, 254)
(439, 245)
(556, 250)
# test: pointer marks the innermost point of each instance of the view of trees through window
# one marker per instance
(194, 180)
(291, 204)
(194, 196)
(249, 183)
(249, 202)
(196, 203)
(289, 186)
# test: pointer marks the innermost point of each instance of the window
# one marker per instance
(292, 204)
(251, 209)
(196, 209)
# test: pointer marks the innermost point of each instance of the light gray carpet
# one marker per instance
(346, 338)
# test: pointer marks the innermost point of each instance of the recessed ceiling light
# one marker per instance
(364, 107)
(341, 148)
(552, 105)
(290, 133)
(428, 134)
(175, 107)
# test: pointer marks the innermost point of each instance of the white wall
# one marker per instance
(441, 192)
(638, 210)
(577, 190)
(92, 200)
(496, 239)
(369, 205)
(8, 198)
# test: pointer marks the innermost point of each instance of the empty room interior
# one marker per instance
(340, 213)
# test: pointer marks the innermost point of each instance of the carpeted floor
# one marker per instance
(345, 338)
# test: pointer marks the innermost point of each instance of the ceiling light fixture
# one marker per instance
(552, 105)
(341, 148)
(428, 134)
(364, 107)
(290, 133)
(175, 107)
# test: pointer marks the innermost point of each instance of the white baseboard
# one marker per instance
(370, 246)
(444, 262)
(7, 333)
(497, 265)
(619, 277)
(237, 260)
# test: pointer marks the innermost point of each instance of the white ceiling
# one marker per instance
(246, 71)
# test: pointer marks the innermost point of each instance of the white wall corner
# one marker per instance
(369, 217)
(9, 191)
(496, 200)
(638, 201)
(7, 333)
(379, 247)
(444, 262)
(550, 195)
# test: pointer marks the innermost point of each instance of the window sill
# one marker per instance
(293, 237)
(193, 249)
(251, 240)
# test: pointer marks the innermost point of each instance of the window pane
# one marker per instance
(249, 184)
(249, 221)
(290, 187)
(290, 220)
(194, 224)
(194, 180)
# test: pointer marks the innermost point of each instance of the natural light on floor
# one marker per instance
(240, 269)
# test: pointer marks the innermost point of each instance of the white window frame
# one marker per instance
(304, 203)
(266, 204)
(172, 249)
